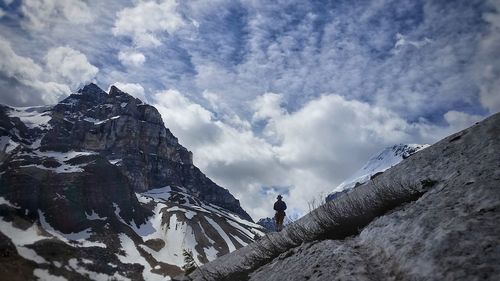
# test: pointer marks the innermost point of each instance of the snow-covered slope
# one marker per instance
(112, 248)
(378, 163)
(97, 188)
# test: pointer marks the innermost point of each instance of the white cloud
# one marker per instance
(131, 58)
(224, 55)
(312, 149)
(133, 89)
(191, 121)
(403, 41)
(145, 21)
(2, 13)
(15, 66)
(25, 71)
(69, 65)
(460, 120)
(40, 14)
(267, 106)
(233, 157)
(339, 127)
(487, 66)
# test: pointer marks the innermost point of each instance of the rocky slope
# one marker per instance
(449, 233)
(97, 188)
(376, 165)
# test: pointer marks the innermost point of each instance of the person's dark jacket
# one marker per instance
(279, 206)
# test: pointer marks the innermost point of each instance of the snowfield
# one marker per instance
(32, 117)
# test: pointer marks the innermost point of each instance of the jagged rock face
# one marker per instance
(129, 134)
(101, 178)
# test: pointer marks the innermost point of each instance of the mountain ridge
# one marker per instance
(100, 172)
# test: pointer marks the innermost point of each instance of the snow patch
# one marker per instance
(106, 120)
(36, 144)
(223, 234)
(4, 201)
(144, 229)
(32, 117)
(188, 213)
(179, 236)
(73, 263)
(20, 238)
(242, 229)
(242, 243)
(44, 275)
(60, 170)
(160, 195)
(143, 199)
(61, 158)
(94, 216)
(30, 254)
(70, 238)
(116, 162)
(7, 144)
(132, 255)
(210, 253)
(87, 261)
(92, 120)
(117, 213)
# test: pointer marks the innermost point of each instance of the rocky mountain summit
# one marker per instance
(433, 216)
(96, 187)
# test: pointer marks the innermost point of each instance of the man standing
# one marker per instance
(280, 208)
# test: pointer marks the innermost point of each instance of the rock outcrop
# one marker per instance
(449, 233)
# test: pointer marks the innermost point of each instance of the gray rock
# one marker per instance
(450, 233)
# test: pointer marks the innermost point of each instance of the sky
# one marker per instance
(272, 97)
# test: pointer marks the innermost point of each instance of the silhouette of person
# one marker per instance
(279, 207)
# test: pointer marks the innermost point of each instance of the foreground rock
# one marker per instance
(450, 233)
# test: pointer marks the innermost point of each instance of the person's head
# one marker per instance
(279, 197)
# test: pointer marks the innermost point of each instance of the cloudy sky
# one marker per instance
(272, 97)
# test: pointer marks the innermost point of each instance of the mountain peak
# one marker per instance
(117, 94)
(102, 172)
(378, 163)
(90, 92)
(91, 88)
(405, 150)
